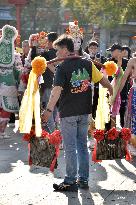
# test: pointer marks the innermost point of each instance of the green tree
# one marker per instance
(106, 13)
(39, 16)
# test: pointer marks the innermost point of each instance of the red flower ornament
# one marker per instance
(45, 134)
(112, 134)
(55, 138)
(28, 136)
(99, 135)
(126, 134)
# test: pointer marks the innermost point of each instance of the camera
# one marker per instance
(98, 56)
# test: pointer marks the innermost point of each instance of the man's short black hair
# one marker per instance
(65, 41)
(52, 36)
(114, 47)
(127, 49)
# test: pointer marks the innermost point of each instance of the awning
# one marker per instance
(5, 14)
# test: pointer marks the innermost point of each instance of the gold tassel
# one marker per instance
(30, 106)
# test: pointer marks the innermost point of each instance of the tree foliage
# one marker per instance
(39, 16)
(106, 13)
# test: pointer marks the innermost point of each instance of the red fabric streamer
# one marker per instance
(94, 154)
(55, 139)
(128, 155)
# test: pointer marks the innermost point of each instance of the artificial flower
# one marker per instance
(112, 134)
(110, 68)
(45, 134)
(55, 137)
(28, 136)
(99, 135)
(126, 134)
(39, 65)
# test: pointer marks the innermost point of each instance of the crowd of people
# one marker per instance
(69, 90)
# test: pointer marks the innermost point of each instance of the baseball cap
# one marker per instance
(114, 47)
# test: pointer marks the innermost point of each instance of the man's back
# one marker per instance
(74, 75)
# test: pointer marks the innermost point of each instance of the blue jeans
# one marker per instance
(74, 131)
(50, 127)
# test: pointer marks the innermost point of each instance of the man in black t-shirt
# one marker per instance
(49, 55)
(72, 86)
(25, 48)
(48, 76)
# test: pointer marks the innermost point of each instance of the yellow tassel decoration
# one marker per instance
(103, 109)
(30, 106)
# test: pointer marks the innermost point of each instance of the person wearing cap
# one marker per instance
(92, 50)
(115, 50)
(116, 56)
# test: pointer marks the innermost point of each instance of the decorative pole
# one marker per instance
(18, 16)
(18, 4)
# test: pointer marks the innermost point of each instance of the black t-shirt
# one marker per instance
(74, 76)
(48, 75)
(23, 57)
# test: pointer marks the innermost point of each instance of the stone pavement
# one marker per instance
(111, 182)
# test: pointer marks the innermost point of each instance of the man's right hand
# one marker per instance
(106, 84)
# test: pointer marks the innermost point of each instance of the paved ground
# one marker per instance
(111, 182)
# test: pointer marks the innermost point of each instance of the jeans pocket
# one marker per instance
(84, 120)
(69, 121)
